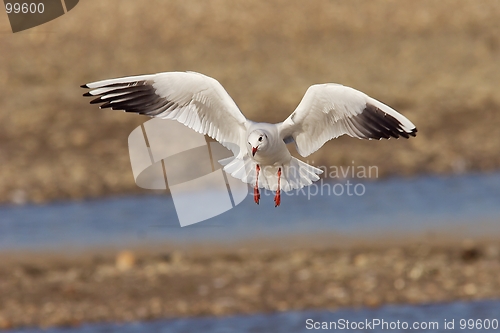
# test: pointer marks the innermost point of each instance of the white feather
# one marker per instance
(201, 103)
(327, 111)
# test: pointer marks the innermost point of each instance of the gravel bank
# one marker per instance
(127, 287)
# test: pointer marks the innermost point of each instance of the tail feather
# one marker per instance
(294, 175)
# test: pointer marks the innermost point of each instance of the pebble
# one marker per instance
(125, 260)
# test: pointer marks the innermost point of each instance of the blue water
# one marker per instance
(427, 318)
(467, 204)
(470, 204)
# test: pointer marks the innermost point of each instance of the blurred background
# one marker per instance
(81, 243)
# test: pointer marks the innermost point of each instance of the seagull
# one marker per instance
(261, 156)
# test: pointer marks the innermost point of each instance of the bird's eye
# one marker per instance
(260, 139)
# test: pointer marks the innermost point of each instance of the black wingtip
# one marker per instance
(96, 101)
(106, 105)
(87, 94)
(84, 86)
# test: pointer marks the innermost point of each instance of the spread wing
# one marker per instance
(195, 100)
(330, 110)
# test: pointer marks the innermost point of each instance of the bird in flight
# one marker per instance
(261, 156)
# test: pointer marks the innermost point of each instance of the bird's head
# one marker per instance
(257, 140)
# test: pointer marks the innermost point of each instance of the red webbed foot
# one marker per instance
(256, 193)
(277, 197)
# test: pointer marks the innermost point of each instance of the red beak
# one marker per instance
(254, 150)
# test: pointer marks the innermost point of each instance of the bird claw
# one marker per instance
(277, 199)
(256, 195)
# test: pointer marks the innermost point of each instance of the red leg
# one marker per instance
(256, 194)
(277, 198)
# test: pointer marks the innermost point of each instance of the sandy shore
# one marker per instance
(439, 67)
(55, 291)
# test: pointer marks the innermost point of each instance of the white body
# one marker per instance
(201, 103)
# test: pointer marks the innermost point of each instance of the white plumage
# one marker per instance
(200, 102)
